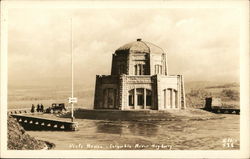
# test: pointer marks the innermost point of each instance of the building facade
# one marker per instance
(139, 80)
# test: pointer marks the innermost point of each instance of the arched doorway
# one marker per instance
(170, 98)
(140, 98)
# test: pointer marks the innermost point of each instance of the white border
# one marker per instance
(244, 80)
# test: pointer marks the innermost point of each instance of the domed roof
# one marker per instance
(141, 46)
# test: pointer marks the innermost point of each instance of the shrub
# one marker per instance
(229, 93)
(200, 93)
(195, 98)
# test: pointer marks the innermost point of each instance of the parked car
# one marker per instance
(56, 108)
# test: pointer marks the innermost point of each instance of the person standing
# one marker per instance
(42, 108)
(32, 108)
(38, 108)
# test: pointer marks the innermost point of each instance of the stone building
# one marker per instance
(139, 80)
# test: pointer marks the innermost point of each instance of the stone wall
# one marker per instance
(119, 64)
(167, 92)
(158, 59)
(132, 83)
(123, 62)
(104, 83)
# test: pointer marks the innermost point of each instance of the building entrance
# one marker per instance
(140, 97)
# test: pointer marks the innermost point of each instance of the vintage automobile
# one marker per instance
(56, 108)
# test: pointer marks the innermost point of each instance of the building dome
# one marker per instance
(141, 46)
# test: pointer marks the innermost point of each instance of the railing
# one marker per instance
(37, 123)
(19, 111)
(224, 110)
(28, 110)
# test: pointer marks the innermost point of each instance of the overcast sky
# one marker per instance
(201, 44)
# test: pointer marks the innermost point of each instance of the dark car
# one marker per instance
(56, 108)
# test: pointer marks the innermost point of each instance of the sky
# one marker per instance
(201, 44)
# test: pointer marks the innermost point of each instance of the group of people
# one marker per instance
(39, 108)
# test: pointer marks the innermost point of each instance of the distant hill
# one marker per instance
(197, 91)
(208, 85)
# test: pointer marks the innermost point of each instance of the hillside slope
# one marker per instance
(19, 140)
(196, 92)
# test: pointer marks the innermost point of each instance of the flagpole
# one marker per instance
(72, 73)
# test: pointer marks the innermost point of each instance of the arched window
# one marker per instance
(131, 98)
(175, 98)
(148, 97)
(139, 69)
(144, 69)
(170, 97)
(158, 69)
(165, 98)
(136, 70)
(140, 96)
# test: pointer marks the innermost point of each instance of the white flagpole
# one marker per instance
(72, 73)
